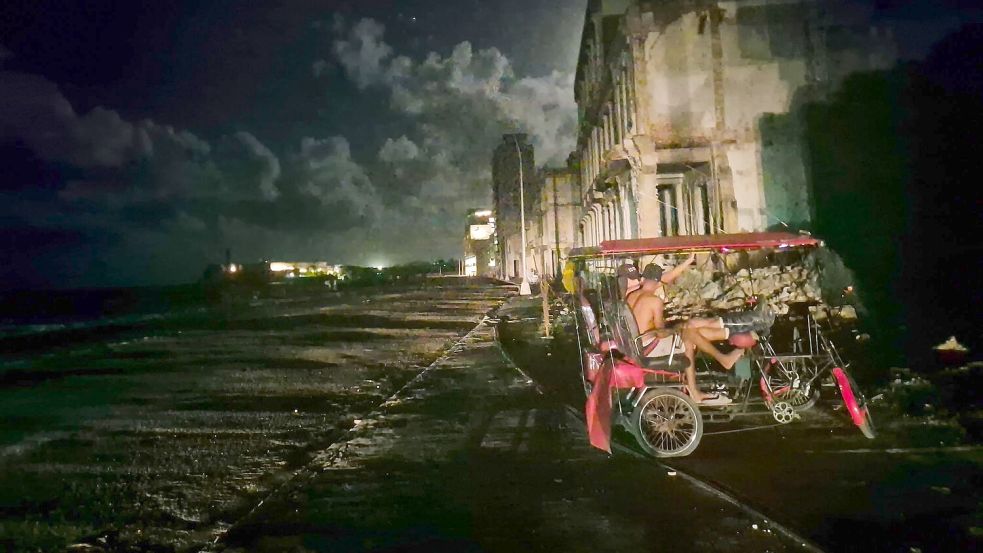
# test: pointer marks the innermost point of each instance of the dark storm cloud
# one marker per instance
(33, 111)
(152, 188)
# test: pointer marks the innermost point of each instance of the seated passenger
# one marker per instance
(647, 303)
(628, 278)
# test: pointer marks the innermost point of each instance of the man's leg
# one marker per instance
(701, 340)
(694, 390)
(715, 322)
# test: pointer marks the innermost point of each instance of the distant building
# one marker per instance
(479, 244)
(688, 111)
(505, 193)
(304, 269)
(553, 226)
(270, 271)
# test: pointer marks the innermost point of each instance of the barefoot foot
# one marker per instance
(699, 397)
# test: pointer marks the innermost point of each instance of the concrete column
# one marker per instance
(603, 219)
(727, 200)
(629, 201)
(619, 125)
(597, 223)
(619, 226)
(649, 211)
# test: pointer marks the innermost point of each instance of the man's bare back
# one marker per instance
(648, 308)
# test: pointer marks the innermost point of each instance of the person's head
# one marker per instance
(628, 278)
(651, 277)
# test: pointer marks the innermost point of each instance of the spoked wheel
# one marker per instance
(794, 382)
(855, 403)
(667, 423)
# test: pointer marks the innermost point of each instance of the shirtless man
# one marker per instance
(647, 303)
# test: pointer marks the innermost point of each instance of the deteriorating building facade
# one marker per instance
(513, 163)
(555, 214)
(688, 110)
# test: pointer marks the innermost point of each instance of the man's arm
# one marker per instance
(657, 310)
(672, 275)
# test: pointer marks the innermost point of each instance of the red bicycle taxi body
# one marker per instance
(648, 396)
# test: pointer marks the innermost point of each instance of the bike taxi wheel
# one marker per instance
(785, 382)
(787, 388)
(855, 403)
(667, 423)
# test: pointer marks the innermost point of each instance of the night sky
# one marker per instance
(139, 140)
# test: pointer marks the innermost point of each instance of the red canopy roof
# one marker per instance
(699, 243)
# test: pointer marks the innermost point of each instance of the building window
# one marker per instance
(668, 210)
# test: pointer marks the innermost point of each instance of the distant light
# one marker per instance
(233, 268)
(278, 267)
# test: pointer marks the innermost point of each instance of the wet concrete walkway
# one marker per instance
(157, 436)
(469, 456)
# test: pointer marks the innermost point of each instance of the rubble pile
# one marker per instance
(701, 291)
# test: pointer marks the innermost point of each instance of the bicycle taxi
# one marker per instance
(786, 368)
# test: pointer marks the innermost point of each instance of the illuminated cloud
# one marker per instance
(442, 94)
(257, 166)
(363, 53)
(327, 172)
(456, 108)
(401, 149)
